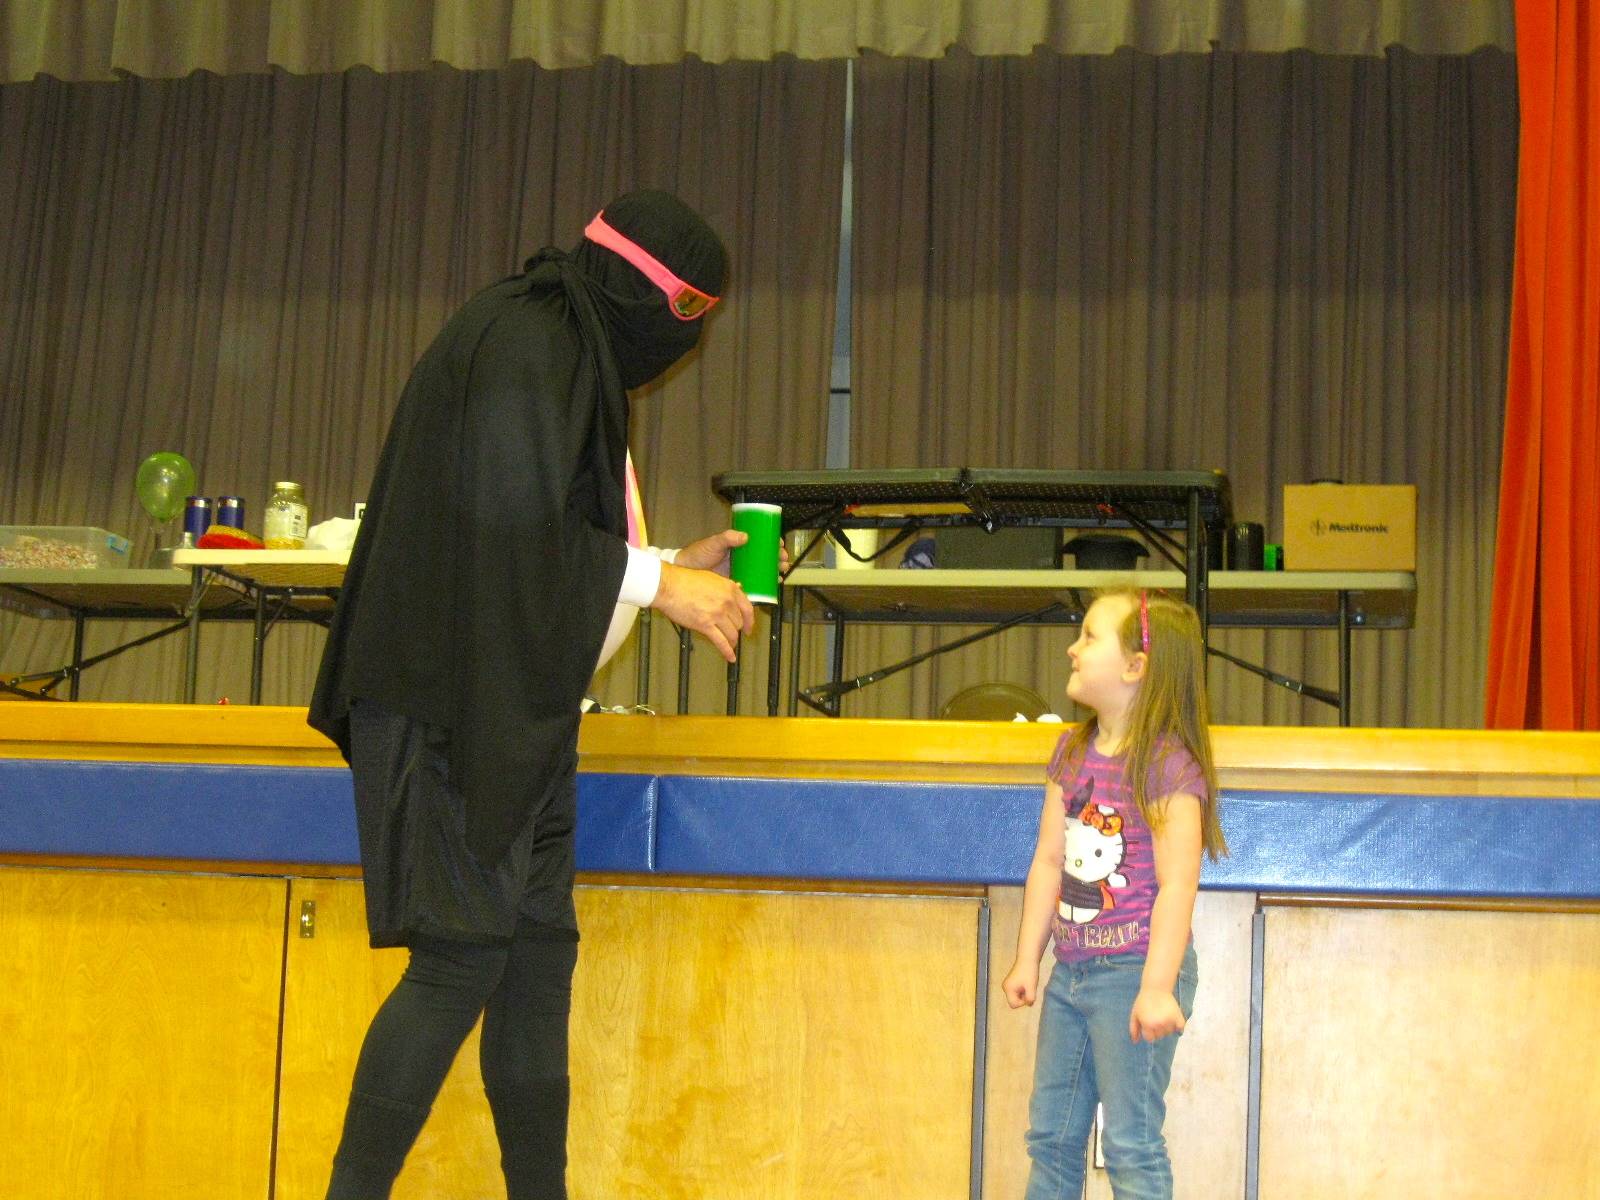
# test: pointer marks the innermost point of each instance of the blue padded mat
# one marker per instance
(1542, 848)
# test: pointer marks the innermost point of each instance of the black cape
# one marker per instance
(493, 547)
(487, 566)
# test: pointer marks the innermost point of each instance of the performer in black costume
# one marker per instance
(486, 572)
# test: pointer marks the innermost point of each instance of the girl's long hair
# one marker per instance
(1169, 710)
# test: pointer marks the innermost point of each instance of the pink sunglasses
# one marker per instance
(686, 301)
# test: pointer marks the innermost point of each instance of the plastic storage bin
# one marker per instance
(61, 547)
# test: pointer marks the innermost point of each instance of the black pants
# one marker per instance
(524, 992)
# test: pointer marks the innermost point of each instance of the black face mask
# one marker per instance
(645, 337)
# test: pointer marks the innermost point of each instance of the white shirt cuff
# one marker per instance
(642, 578)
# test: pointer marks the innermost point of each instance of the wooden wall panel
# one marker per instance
(742, 1045)
(1206, 1102)
(1430, 1054)
(139, 1045)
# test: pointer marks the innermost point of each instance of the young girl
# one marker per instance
(1129, 805)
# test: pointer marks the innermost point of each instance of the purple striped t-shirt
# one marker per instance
(1108, 876)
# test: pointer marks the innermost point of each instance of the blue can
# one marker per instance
(230, 511)
(196, 515)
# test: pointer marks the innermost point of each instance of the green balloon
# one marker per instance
(164, 481)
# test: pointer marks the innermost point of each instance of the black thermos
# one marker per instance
(1247, 544)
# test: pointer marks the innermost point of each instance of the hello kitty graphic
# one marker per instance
(1094, 850)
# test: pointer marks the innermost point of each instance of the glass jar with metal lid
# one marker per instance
(286, 518)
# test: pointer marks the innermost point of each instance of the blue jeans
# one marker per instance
(1085, 1056)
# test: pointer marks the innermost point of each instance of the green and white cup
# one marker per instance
(754, 565)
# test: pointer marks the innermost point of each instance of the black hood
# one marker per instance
(644, 335)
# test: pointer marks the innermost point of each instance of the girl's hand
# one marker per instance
(1021, 984)
(1154, 1016)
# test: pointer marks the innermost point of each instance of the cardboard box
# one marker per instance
(1350, 527)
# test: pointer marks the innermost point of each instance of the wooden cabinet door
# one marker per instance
(138, 1034)
(762, 1046)
(1430, 1053)
(743, 1045)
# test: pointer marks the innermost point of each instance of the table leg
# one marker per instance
(838, 660)
(775, 655)
(191, 666)
(258, 647)
(1196, 585)
(797, 613)
(77, 653)
(684, 649)
(1344, 658)
(641, 687)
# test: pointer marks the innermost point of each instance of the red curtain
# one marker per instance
(1544, 650)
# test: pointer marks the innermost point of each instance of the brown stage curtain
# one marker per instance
(1287, 266)
(244, 269)
(100, 39)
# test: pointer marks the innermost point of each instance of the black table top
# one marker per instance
(990, 497)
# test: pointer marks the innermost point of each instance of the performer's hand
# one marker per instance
(711, 553)
(1021, 984)
(1155, 1015)
(707, 603)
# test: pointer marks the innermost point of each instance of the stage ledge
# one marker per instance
(1454, 761)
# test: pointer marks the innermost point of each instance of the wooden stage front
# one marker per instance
(792, 934)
